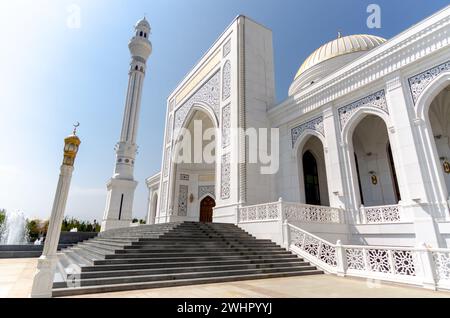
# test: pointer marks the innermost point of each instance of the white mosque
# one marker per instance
(361, 148)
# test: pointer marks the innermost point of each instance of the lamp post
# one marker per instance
(43, 278)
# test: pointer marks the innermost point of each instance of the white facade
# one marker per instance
(364, 137)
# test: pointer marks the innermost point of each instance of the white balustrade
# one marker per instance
(381, 214)
(312, 213)
(260, 212)
(291, 212)
(422, 266)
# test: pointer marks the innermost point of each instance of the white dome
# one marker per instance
(143, 23)
(340, 46)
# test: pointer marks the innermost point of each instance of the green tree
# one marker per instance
(2, 216)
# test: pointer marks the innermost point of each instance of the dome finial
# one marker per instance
(339, 35)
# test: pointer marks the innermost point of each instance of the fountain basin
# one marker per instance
(67, 239)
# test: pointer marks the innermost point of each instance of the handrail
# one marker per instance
(411, 265)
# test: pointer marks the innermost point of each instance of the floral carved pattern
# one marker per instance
(311, 213)
(169, 129)
(382, 214)
(355, 259)
(404, 263)
(442, 261)
(206, 190)
(264, 212)
(182, 200)
(311, 246)
(378, 261)
(226, 48)
(225, 179)
(376, 100)
(315, 125)
(419, 82)
(207, 95)
(226, 125)
(226, 89)
(328, 255)
(167, 161)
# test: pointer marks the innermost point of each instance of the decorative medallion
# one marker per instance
(315, 124)
(418, 83)
(182, 200)
(376, 100)
(207, 95)
(226, 89)
(226, 125)
(225, 177)
(184, 177)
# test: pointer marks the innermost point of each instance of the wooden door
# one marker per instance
(206, 210)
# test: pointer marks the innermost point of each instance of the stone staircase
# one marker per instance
(172, 254)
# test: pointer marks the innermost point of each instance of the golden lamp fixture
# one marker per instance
(71, 145)
(446, 167)
(373, 177)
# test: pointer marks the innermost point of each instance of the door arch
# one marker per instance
(311, 179)
(206, 209)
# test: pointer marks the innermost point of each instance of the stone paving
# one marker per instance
(16, 280)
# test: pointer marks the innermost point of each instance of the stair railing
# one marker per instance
(423, 266)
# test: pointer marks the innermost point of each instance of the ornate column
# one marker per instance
(43, 279)
(335, 166)
(416, 202)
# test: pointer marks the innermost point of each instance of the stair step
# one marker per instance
(119, 267)
(187, 259)
(194, 254)
(171, 249)
(61, 292)
(163, 270)
(180, 253)
(174, 276)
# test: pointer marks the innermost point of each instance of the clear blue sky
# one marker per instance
(52, 76)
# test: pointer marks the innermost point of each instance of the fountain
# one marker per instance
(14, 229)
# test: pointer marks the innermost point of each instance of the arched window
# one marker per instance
(136, 68)
(145, 35)
(141, 33)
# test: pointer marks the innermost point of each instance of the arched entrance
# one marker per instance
(312, 172)
(439, 120)
(374, 163)
(206, 209)
(193, 165)
(311, 178)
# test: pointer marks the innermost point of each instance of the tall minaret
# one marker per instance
(119, 202)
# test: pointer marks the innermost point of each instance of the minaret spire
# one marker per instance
(119, 204)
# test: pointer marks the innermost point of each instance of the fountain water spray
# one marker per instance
(14, 230)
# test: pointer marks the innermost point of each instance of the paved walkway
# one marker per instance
(16, 279)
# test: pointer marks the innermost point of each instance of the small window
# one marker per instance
(142, 33)
(145, 35)
(136, 67)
